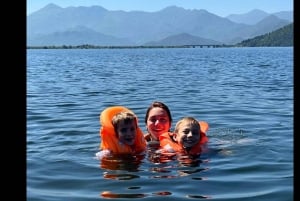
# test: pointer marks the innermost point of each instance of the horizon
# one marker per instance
(223, 9)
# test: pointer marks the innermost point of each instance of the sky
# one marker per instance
(221, 8)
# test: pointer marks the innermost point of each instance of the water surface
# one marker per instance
(245, 94)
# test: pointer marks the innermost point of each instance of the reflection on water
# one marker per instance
(119, 176)
(165, 166)
(122, 162)
(108, 194)
(198, 196)
(121, 167)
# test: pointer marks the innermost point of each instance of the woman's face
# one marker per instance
(158, 122)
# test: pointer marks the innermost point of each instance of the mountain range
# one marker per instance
(95, 25)
(282, 37)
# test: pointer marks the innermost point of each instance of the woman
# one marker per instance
(158, 120)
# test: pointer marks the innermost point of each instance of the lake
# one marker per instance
(245, 94)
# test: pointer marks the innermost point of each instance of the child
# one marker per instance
(120, 133)
(188, 137)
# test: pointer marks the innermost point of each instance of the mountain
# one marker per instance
(282, 37)
(183, 39)
(75, 36)
(250, 18)
(286, 15)
(256, 15)
(95, 25)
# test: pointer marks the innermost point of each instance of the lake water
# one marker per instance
(245, 94)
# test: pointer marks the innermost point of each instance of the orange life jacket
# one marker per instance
(108, 136)
(166, 141)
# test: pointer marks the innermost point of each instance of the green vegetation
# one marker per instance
(282, 37)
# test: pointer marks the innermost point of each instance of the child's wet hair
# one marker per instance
(126, 117)
(190, 120)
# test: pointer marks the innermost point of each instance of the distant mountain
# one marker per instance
(257, 15)
(250, 18)
(183, 39)
(77, 36)
(95, 25)
(285, 15)
(282, 37)
(270, 22)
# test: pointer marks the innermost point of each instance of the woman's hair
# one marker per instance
(158, 104)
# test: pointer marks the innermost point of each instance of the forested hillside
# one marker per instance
(283, 37)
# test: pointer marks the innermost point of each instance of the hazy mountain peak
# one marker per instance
(91, 8)
(51, 6)
(49, 9)
(256, 12)
(172, 9)
(251, 17)
(268, 19)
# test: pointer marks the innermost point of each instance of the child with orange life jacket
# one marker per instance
(120, 133)
(188, 137)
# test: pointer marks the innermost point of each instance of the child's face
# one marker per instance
(126, 132)
(158, 122)
(188, 135)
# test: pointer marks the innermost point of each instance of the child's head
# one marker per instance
(187, 132)
(125, 125)
(158, 119)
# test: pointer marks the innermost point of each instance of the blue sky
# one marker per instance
(218, 7)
